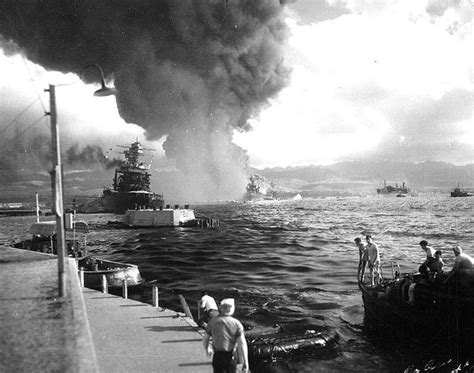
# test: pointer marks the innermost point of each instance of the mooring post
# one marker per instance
(104, 284)
(124, 289)
(81, 276)
(155, 296)
(199, 309)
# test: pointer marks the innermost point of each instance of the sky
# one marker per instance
(363, 80)
(380, 80)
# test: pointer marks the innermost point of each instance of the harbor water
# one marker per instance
(289, 262)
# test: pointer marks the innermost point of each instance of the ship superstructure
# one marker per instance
(132, 175)
(130, 188)
(389, 189)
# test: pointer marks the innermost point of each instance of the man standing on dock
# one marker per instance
(227, 333)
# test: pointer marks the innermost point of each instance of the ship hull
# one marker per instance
(410, 306)
(119, 203)
(461, 194)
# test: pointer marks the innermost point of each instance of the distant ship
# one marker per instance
(389, 189)
(130, 189)
(458, 192)
(259, 190)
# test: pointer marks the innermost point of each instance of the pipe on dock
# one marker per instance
(81, 276)
(124, 289)
(185, 306)
(155, 296)
(104, 285)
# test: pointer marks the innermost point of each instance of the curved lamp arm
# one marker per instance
(104, 90)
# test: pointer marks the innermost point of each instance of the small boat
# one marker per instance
(276, 343)
(43, 237)
(115, 272)
(44, 240)
(458, 192)
(422, 306)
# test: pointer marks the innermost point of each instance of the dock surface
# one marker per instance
(40, 332)
(131, 336)
(85, 331)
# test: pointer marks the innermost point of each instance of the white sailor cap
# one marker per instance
(228, 302)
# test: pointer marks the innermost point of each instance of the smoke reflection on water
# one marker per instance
(287, 262)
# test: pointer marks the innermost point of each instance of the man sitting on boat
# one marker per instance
(427, 249)
(462, 264)
(432, 265)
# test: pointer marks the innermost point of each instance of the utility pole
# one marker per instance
(57, 186)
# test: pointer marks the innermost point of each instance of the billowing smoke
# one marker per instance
(90, 155)
(191, 70)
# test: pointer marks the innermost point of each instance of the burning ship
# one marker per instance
(130, 189)
(259, 190)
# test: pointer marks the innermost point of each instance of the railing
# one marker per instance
(393, 265)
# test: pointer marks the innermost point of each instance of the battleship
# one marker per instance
(402, 190)
(259, 190)
(130, 188)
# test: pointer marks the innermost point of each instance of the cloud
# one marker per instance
(363, 81)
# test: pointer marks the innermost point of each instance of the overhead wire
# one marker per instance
(38, 93)
(18, 116)
(10, 142)
(39, 98)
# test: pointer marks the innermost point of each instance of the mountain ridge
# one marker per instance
(339, 179)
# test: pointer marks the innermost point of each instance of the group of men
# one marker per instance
(224, 335)
(369, 256)
(434, 263)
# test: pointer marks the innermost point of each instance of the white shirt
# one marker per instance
(208, 303)
(430, 252)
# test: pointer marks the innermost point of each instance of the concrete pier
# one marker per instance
(86, 331)
(131, 336)
(40, 332)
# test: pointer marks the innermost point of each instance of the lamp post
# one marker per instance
(57, 178)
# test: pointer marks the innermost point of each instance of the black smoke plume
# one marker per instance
(90, 155)
(191, 70)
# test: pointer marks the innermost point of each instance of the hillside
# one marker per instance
(363, 178)
(340, 179)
